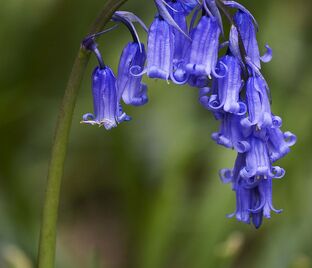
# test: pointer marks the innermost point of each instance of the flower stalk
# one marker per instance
(47, 241)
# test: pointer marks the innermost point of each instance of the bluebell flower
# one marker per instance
(229, 87)
(129, 81)
(230, 134)
(165, 55)
(258, 103)
(203, 53)
(160, 49)
(279, 143)
(182, 43)
(253, 194)
(107, 112)
(258, 163)
(246, 26)
(243, 193)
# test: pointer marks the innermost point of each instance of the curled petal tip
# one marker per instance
(290, 138)
(267, 57)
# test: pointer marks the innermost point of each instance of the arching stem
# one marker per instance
(47, 242)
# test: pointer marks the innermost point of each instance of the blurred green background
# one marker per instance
(146, 194)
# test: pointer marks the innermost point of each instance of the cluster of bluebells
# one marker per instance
(231, 86)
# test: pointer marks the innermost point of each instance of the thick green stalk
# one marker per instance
(47, 242)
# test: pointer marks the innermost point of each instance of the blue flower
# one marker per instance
(203, 53)
(253, 194)
(107, 112)
(279, 143)
(129, 80)
(258, 163)
(160, 49)
(182, 43)
(258, 103)
(246, 26)
(243, 193)
(230, 134)
(229, 87)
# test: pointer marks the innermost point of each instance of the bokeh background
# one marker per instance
(146, 194)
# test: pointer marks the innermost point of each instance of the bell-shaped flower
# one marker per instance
(230, 134)
(229, 86)
(182, 43)
(258, 103)
(258, 163)
(279, 143)
(107, 111)
(203, 52)
(246, 26)
(160, 49)
(243, 194)
(129, 80)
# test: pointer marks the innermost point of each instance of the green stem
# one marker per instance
(47, 242)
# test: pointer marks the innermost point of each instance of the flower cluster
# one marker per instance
(231, 86)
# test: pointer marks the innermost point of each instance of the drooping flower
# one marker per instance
(106, 108)
(253, 194)
(160, 49)
(243, 194)
(279, 143)
(129, 81)
(258, 163)
(259, 108)
(246, 26)
(182, 42)
(230, 134)
(204, 49)
(131, 63)
(229, 87)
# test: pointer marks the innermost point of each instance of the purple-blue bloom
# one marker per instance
(258, 163)
(279, 143)
(160, 49)
(246, 27)
(253, 194)
(258, 103)
(106, 107)
(182, 43)
(230, 134)
(129, 81)
(204, 49)
(229, 87)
